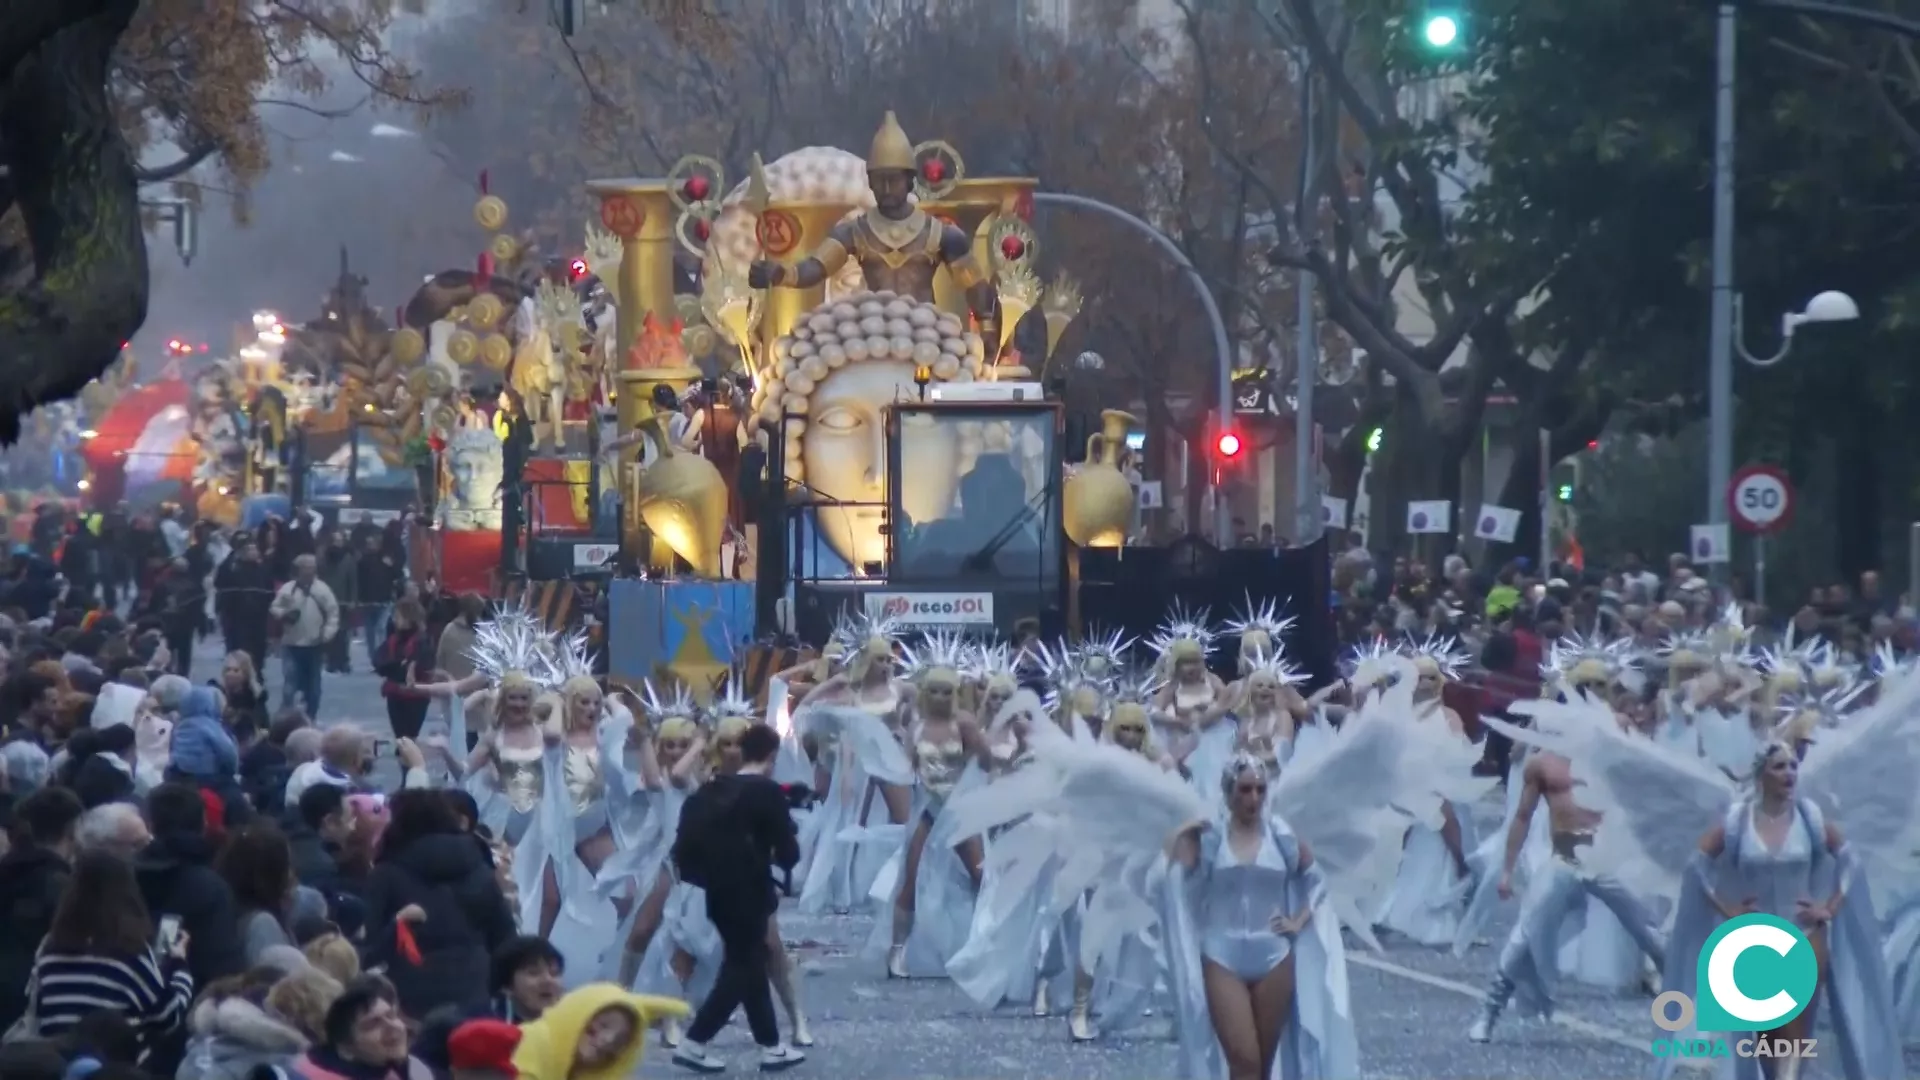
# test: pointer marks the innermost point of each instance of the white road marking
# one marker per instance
(1588, 1028)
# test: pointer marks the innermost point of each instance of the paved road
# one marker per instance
(1412, 1005)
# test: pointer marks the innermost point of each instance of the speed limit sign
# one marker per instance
(1761, 499)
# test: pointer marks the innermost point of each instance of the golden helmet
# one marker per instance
(891, 148)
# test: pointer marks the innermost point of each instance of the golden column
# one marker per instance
(641, 214)
(788, 232)
(970, 205)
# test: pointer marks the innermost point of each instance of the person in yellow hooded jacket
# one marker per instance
(597, 1032)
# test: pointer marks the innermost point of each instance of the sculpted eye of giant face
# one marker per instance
(844, 451)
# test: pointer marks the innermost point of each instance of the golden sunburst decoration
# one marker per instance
(408, 345)
(938, 169)
(490, 213)
(1019, 289)
(462, 346)
(485, 310)
(696, 181)
(555, 305)
(732, 308)
(603, 252)
(1011, 243)
(496, 351)
(1060, 307)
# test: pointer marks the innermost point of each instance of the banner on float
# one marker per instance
(1711, 544)
(931, 610)
(1497, 523)
(1429, 516)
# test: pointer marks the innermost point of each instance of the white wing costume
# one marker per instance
(1656, 803)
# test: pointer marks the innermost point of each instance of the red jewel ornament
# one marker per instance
(701, 230)
(934, 170)
(1013, 247)
(696, 188)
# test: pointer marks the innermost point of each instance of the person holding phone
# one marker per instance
(103, 953)
(309, 617)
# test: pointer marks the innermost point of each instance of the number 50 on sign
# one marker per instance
(1760, 499)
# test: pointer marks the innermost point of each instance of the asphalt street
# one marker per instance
(1412, 1005)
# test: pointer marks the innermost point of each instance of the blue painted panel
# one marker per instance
(658, 624)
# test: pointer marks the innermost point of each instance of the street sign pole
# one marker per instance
(1760, 501)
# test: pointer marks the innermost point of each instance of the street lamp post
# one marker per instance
(1722, 339)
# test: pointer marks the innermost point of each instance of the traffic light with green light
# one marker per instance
(1440, 29)
(1565, 475)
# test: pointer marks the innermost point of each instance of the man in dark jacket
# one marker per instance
(33, 873)
(319, 824)
(464, 917)
(176, 877)
(243, 590)
(753, 834)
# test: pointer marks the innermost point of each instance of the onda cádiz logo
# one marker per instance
(1756, 973)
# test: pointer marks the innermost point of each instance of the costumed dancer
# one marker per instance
(511, 774)
(1192, 706)
(1560, 889)
(603, 804)
(669, 945)
(1428, 896)
(849, 850)
(1247, 913)
(1772, 845)
(931, 887)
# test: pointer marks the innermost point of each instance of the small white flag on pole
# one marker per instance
(1333, 512)
(1710, 544)
(1497, 523)
(1429, 516)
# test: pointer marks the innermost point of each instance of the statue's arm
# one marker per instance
(956, 250)
(826, 260)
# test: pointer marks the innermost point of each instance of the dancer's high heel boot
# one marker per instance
(787, 990)
(1042, 1005)
(1080, 1020)
(897, 962)
(1499, 992)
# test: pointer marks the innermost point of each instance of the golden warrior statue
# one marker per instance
(897, 245)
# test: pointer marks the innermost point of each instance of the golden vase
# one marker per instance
(682, 500)
(642, 215)
(1097, 502)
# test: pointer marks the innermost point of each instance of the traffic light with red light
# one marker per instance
(577, 269)
(1227, 446)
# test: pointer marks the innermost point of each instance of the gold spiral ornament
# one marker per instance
(463, 346)
(504, 247)
(942, 160)
(485, 310)
(490, 212)
(687, 230)
(407, 345)
(711, 174)
(444, 418)
(496, 351)
(699, 340)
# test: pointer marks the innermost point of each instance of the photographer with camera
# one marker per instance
(734, 832)
(309, 617)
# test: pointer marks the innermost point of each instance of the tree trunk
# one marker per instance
(1419, 458)
(73, 179)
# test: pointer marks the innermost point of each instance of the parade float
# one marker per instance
(869, 312)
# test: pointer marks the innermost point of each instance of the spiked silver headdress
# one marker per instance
(1100, 655)
(675, 705)
(1445, 652)
(937, 650)
(1588, 661)
(515, 642)
(1370, 662)
(1260, 620)
(569, 657)
(1183, 627)
(731, 700)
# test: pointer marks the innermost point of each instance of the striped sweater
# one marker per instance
(67, 987)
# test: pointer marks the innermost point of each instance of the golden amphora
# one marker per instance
(1098, 501)
(683, 501)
